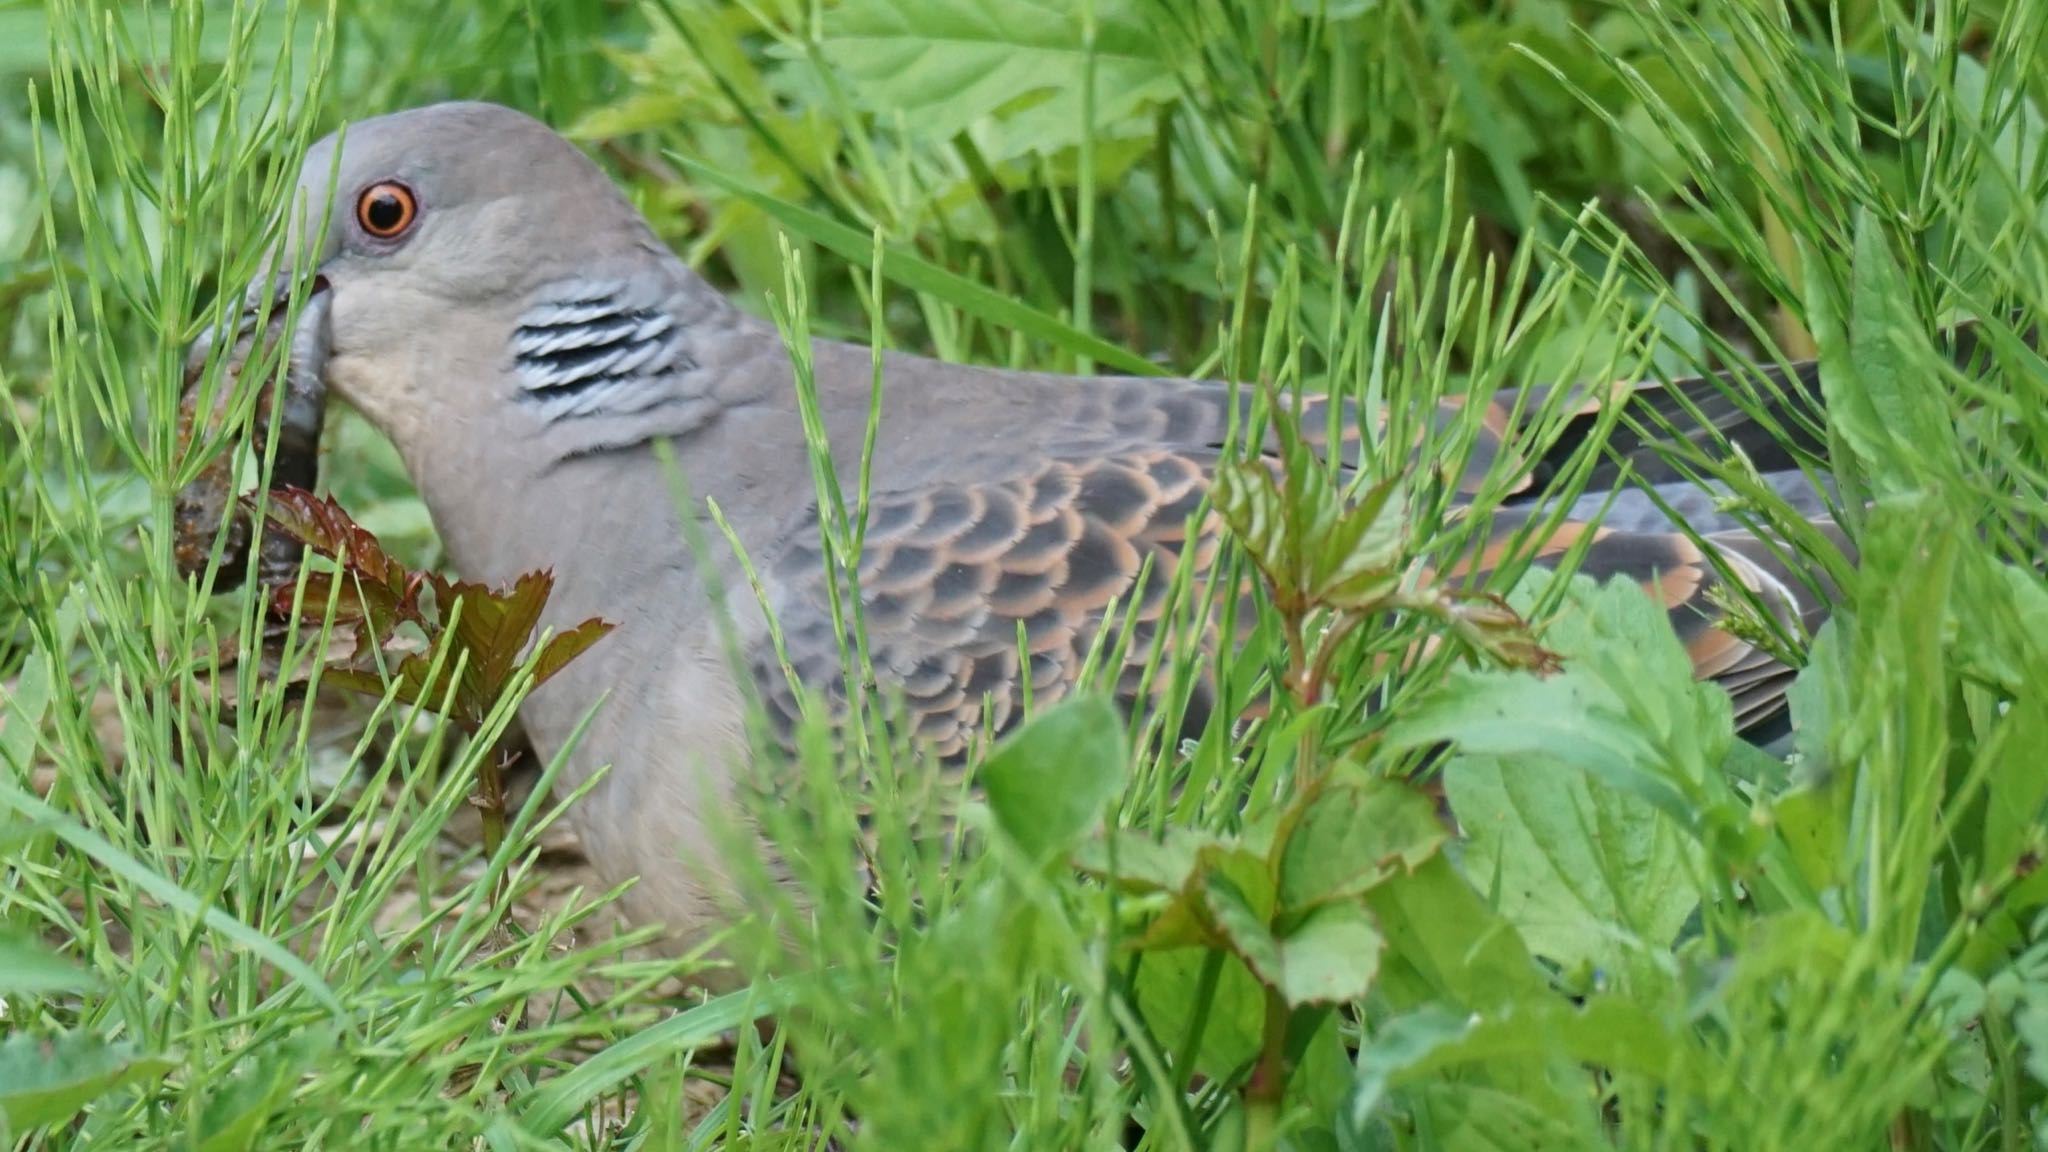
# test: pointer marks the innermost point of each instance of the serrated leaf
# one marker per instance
(1571, 717)
(1330, 958)
(47, 1080)
(1050, 782)
(1358, 561)
(1250, 503)
(1609, 1032)
(1627, 708)
(1242, 927)
(1189, 919)
(492, 627)
(323, 526)
(563, 647)
(1353, 837)
(1588, 873)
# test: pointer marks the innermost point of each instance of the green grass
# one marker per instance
(255, 934)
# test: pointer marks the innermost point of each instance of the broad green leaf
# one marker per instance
(29, 969)
(1244, 928)
(1445, 944)
(1627, 709)
(2002, 626)
(2031, 1023)
(1907, 403)
(1051, 781)
(1190, 919)
(49, 1079)
(1140, 863)
(1573, 718)
(1809, 821)
(1168, 985)
(1399, 1045)
(1588, 873)
(947, 64)
(1891, 416)
(1474, 1117)
(920, 275)
(1329, 958)
(1354, 836)
(1610, 1032)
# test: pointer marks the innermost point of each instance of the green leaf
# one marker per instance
(1394, 1048)
(945, 65)
(1891, 416)
(1139, 863)
(1352, 837)
(1588, 873)
(556, 1102)
(1810, 822)
(1191, 918)
(1610, 1032)
(1358, 563)
(1572, 717)
(920, 275)
(1049, 783)
(1169, 985)
(50, 1079)
(28, 969)
(2031, 1023)
(22, 711)
(1444, 943)
(1626, 709)
(1330, 958)
(1249, 501)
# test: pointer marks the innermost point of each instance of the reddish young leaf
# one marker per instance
(486, 630)
(493, 628)
(566, 646)
(323, 526)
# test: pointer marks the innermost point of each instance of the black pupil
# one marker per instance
(386, 212)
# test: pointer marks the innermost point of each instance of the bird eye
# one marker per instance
(386, 210)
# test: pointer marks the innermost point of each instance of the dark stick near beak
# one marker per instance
(201, 507)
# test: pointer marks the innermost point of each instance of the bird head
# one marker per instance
(423, 229)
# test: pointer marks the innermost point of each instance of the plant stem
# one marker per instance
(1266, 1089)
(489, 799)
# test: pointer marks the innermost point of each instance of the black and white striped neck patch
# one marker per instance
(587, 348)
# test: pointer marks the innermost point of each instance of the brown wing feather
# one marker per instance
(949, 573)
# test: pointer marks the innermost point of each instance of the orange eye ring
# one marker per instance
(386, 210)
